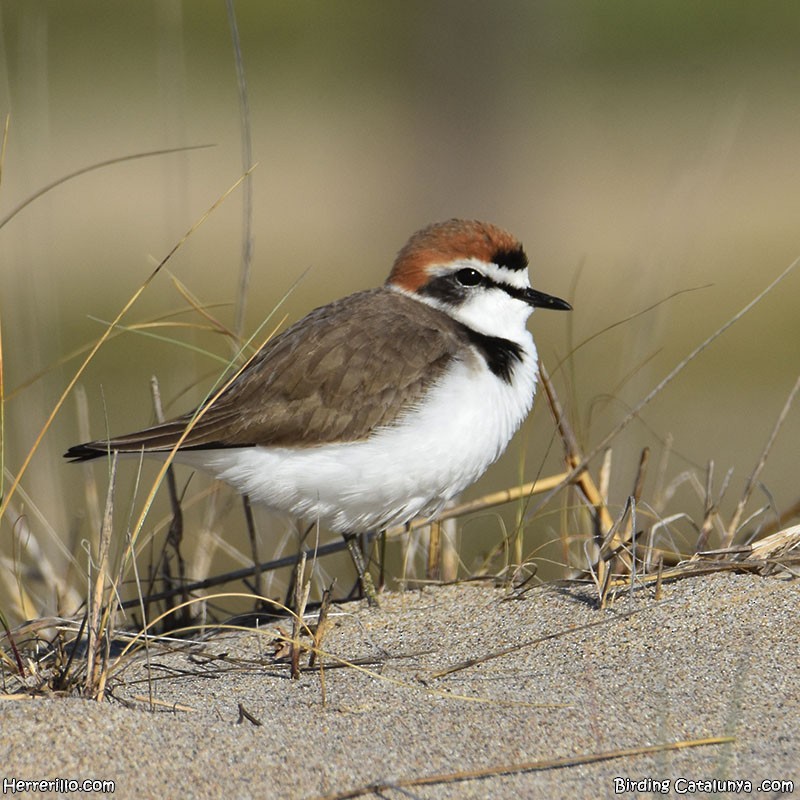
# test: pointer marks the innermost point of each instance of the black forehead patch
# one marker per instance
(513, 258)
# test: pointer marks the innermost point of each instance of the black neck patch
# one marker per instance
(501, 355)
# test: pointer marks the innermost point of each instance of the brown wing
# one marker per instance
(334, 376)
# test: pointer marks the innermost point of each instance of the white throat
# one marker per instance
(489, 309)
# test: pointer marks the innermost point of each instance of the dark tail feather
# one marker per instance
(158, 438)
(88, 451)
(205, 434)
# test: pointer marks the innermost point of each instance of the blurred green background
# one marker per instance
(637, 149)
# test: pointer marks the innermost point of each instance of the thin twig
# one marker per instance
(574, 458)
(244, 714)
(751, 481)
(473, 662)
(378, 787)
(606, 535)
(252, 535)
(12, 643)
(323, 625)
(96, 630)
(301, 591)
(629, 318)
(175, 532)
(641, 474)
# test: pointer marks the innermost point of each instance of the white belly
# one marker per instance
(407, 470)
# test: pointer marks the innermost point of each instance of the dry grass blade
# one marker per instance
(98, 630)
(301, 591)
(102, 340)
(202, 309)
(323, 624)
(607, 535)
(148, 330)
(10, 638)
(710, 509)
(774, 552)
(627, 319)
(91, 168)
(140, 327)
(641, 473)
(154, 702)
(573, 457)
(526, 766)
(751, 481)
(473, 662)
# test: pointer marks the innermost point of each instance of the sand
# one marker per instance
(717, 656)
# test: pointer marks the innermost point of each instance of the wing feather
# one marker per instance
(323, 380)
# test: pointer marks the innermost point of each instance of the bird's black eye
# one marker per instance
(469, 277)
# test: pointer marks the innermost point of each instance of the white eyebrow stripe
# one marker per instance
(518, 278)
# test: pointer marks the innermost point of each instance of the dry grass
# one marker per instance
(635, 547)
(642, 544)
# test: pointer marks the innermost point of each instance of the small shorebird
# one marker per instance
(383, 405)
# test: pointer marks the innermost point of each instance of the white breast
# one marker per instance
(409, 469)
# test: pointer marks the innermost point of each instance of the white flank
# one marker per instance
(409, 469)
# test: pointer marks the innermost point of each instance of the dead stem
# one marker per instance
(175, 532)
(752, 480)
(98, 632)
(253, 537)
(302, 589)
(378, 788)
(606, 535)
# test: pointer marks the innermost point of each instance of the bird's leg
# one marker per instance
(364, 578)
